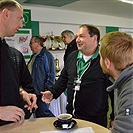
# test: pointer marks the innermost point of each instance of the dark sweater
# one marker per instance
(13, 74)
(9, 85)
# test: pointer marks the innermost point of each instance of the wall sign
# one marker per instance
(21, 42)
(27, 19)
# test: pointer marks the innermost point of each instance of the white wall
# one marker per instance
(70, 17)
(58, 20)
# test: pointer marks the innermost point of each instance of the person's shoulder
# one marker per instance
(73, 41)
(73, 54)
(45, 51)
(73, 44)
(15, 51)
(71, 57)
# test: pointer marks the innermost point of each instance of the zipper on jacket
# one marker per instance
(74, 97)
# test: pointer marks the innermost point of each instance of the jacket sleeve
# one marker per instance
(25, 77)
(60, 85)
(50, 72)
(123, 122)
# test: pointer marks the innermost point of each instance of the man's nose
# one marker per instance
(77, 39)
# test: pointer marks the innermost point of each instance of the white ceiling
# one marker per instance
(105, 7)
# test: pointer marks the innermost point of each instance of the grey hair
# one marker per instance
(69, 33)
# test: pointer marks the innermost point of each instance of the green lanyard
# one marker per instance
(82, 65)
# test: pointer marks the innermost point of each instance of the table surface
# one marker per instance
(46, 124)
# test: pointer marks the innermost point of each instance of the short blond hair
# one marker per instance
(118, 48)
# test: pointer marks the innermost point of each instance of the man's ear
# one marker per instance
(95, 38)
(71, 37)
(107, 63)
(5, 13)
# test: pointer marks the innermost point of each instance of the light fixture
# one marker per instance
(127, 1)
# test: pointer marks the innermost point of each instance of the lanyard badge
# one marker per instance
(77, 83)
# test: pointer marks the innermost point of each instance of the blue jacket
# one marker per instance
(43, 71)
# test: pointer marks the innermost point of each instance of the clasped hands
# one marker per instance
(14, 113)
(30, 99)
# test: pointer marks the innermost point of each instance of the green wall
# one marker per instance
(35, 28)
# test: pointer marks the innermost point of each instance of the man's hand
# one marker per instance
(30, 99)
(47, 96)
(11, 113)
(111, 123)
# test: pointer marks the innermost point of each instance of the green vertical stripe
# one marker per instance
(35, 28)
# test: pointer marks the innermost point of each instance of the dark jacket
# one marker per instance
(9, 85)
(70, 48)
(25, 79)
(91, 101)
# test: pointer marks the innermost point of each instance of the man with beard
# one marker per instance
(116, 53)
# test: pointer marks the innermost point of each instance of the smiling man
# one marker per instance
(83, 77)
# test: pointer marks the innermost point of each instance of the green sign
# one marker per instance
(27, 19)
(111, 29)
(35, 28)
